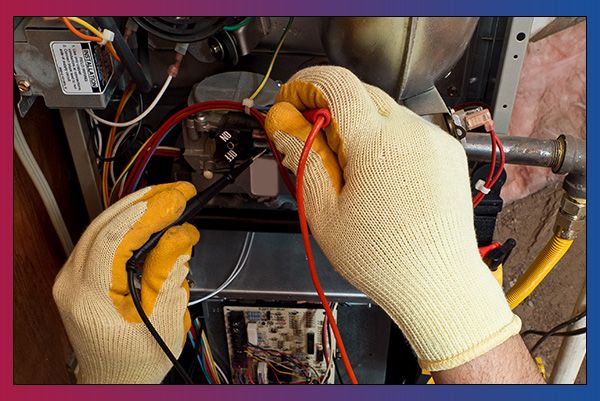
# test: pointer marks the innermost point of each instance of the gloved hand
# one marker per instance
(388, 201)
(111, 342)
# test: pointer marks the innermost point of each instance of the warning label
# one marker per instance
(77, 66)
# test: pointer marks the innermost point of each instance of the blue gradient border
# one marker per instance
(9, 391)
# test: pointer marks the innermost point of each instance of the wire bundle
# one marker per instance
(213, 373)
(98, 37)
(138, 163)
(110, 142)
(282, 363)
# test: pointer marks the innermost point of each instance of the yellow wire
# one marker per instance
(266, 78)
(86, 25)
(211, 361)
(93, 30)
(129, 165)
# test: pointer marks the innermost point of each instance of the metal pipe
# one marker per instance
(518, 150)
(573, 348)
(563, 155)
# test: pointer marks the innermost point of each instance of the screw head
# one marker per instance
(23, 85)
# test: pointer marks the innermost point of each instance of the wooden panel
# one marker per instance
(40, 345)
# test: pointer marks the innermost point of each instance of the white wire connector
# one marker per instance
(107, 36)
(248, 104)
(480, 186)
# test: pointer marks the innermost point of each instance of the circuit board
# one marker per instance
(279, 345)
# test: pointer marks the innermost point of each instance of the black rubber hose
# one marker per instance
(127, 58)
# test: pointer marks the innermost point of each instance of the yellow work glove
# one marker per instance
(111, 342)
(388, 201)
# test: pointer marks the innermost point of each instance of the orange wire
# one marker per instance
(79, 34)
(112, 52)
(110, 142)
(318, 124)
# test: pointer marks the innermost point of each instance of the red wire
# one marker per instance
(249, 376)
(318, 124)
(492, 177)
(502, 157)
(479, 196)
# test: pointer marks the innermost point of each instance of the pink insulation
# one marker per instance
(551, 100)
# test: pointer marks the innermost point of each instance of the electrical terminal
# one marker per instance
(475, 118)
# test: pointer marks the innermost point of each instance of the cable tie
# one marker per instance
(480, 186)
(248, 104)
(107, 36)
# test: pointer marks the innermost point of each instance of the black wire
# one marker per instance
(337, 371)
(131, 271)
(556, 328)
(141, 104)
(568, 333)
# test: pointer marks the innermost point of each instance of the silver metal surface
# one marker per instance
(430, 106)
(576, 185)
(402, 55)
(513, 55)
(235, 86)
(518, 150)
(76, 131)
(33, 62)
(276, 269)
(249, 36)
(564, 155)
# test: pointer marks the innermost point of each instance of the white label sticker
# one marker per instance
(76, 66)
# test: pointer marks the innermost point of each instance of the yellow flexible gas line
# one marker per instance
(539, 269)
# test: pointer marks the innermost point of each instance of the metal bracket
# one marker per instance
(77, 132)
(513, 55)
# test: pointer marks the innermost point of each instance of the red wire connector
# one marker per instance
(313, 115)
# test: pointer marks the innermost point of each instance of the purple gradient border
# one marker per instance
(273, 7)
